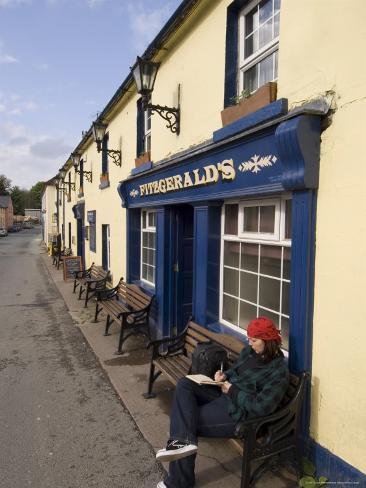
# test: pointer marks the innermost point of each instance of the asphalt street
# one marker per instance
(61, 423)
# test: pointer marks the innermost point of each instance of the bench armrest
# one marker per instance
(174, 344)
(107, 294)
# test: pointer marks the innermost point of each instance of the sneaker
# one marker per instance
(176, 450)
(161, 484)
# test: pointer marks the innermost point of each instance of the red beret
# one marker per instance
(263, 328)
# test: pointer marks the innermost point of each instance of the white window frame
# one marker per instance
(281, 242)
(246, 63)
(147, 228)
(108, 246)
(147, 132)
(260, 235)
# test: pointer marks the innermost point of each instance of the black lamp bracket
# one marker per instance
(88, 176)
(116, 156)
(170, 114)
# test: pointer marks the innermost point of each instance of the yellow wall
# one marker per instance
(324, 53)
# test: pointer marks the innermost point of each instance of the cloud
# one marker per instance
(13, 3)
(26, 157)
(4, 57)
(50, 148)
(144, 23)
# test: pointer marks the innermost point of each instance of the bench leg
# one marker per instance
(121, 339)
(86, 296)
(245, 468)
(152, 377)
(81, 291)
(75, 285)
(107, 325)
(97, 312)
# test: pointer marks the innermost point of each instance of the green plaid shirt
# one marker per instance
(259, 390)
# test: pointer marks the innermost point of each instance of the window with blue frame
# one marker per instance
(143, 130)
(105, 167)
(256, 262)
(91, 216)
(148, 246)
(252, 43)
(106, 247)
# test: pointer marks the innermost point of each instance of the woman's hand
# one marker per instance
(226, 387)
(220, 376)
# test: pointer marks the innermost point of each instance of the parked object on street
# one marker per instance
(3, 232)
(91, 281)
(59, 256)
(128, 305)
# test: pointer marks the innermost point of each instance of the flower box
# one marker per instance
(263, 96)
(144, 158)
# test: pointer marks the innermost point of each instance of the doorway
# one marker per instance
(182, 253)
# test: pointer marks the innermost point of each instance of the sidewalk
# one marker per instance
(218, 463)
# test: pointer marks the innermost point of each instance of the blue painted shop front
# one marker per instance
(277, 156)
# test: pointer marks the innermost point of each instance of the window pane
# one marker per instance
(269, 293)
(144, 271)
(249, 257)
(247, 313)
(277, 5)
(231, 219)
(265, 33)
(285, 332)
(286, 263)
(144, 255)
(230, 309)
(288, 219)
(150, 274)
(145, 239)
(151, 219)
(266, 70)
(285, 298)
(151, 257)
(251, 21)
(151, 240)
(248, 286)
(251, 79)
(231, 254)
(251, 219)
(265, 10)
(231, 281)
(271, 260)
(267, 219)
(276, 21)
(272, 316)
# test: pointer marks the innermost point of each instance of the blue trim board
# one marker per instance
(334, 468)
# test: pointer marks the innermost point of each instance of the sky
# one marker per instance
(61, 61)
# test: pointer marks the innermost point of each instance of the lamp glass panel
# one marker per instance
(136, 71)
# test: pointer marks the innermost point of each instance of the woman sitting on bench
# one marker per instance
(253, 387)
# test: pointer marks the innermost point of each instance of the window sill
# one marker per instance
(149, 289)
(104, 184)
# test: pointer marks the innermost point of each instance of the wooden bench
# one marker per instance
(262, 439)
(58, 256)
(90, 281)
(128, 305)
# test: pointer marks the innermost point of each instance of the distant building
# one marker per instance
(33, 213)
(6, 211)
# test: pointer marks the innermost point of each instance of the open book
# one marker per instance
(201, 379)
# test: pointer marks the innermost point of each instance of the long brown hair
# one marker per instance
(272, 350)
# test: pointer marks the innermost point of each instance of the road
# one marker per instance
(61, 423)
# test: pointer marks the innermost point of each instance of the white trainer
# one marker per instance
(161, 484)
(176, 450)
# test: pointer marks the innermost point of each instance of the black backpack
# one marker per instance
(207, 358)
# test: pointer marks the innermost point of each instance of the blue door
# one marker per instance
(80, 240)
(182, 265)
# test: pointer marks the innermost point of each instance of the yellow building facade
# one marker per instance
(319, 76)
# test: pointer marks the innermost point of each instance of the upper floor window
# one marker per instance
(147, 127)
(259, 25)
(105, 153)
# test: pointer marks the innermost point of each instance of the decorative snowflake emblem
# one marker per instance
(134, 193)
(256, 163)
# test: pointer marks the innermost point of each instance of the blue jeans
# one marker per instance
(198, 411)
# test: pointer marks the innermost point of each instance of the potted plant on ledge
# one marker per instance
(246, 103)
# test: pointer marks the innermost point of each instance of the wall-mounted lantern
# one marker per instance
(98, 129)
(76, 160)
(144, 73)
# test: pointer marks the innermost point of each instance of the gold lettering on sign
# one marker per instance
(187, 180)
(197, 177)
